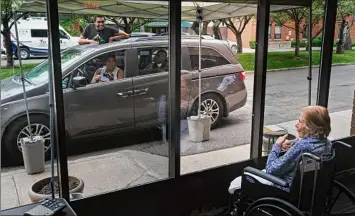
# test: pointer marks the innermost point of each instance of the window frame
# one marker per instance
(71, 73)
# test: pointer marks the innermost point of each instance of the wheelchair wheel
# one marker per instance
(272, 207)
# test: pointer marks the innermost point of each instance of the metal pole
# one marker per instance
(310, 55)
(327, 52)
(58, 108)
(22, 77)
(174, 87)
(199, 68)
(263, 17)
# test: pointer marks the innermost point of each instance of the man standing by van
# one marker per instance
(98, 33)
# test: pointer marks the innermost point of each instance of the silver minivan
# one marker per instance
(127, 104)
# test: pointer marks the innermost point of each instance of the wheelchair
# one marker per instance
(311, 192)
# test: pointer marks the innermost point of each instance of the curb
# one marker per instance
(303, 67)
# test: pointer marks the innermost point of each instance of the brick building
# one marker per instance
(276, 33)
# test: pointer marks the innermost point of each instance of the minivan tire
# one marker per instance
(205, 97)
(14, 155)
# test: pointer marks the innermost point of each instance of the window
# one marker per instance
(209, 58)
(152, 60)
(278, 32)
(98, 63)
(39, 33)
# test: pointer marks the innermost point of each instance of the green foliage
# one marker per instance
(302, 44)
(68, 24)
(346, 8)
(252, 44)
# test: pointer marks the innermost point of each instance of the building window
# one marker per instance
(278, 32)
(269, 34)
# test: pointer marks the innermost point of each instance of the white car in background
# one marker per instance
(232, 44)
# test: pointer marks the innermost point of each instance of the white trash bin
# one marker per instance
(33, 154)
(199, 128)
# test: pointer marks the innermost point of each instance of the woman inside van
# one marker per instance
(108, 72)
(313, 128)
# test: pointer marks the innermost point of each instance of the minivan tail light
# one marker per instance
(242, 75)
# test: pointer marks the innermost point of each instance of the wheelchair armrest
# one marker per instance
(313, 157)
(343, 144)
(266, 176)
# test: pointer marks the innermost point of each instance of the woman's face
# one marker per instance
(110, 63)
(300, 125)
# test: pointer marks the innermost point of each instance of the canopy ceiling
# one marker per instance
(158, 9)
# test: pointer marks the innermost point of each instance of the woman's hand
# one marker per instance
(286, 145)
(281, 139)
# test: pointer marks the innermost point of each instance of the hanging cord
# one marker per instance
(22, 77)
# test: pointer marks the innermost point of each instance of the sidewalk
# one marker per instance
(117, 170)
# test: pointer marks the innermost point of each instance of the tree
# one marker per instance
(215, 29)
(7, 21)
(128, 24)
(346, 8)
(204, 27)
(237, 26)
(299, 16)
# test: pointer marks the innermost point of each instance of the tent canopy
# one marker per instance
(159, 9)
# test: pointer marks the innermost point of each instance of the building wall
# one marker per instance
(287, 33)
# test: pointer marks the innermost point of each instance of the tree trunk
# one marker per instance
(9, 51)
(195, 27)
(297, 32)
(340, 44)
(239, 42)
(204, 28)
(216, 31)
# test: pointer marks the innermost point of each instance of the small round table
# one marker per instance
(272, 135)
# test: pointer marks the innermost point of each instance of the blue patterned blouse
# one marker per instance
(285, 165)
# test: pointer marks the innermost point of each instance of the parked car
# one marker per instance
(232, 44)
(132, 103)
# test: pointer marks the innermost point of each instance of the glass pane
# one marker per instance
(226, 99)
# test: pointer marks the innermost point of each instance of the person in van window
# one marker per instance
(160, 61)
(108, 72)
(98, 33)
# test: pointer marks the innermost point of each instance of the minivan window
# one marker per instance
(39, 74)
(153, 60)
(39, 33)
(209, 58)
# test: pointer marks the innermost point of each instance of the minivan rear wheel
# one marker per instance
(20, 129)
(211, 105)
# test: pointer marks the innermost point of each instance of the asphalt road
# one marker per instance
(286, 94)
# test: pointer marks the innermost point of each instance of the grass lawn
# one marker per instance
(277, 60)
(7, 72)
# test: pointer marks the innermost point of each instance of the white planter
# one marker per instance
(199, 128)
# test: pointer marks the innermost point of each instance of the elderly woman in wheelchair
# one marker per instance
(285, 185)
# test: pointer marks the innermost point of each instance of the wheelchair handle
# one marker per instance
(265, 176)
(311, 156)
(343, 144)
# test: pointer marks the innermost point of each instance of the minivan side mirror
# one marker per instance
(79, 81)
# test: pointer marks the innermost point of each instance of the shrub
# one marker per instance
(252, 44)
(302, 43)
